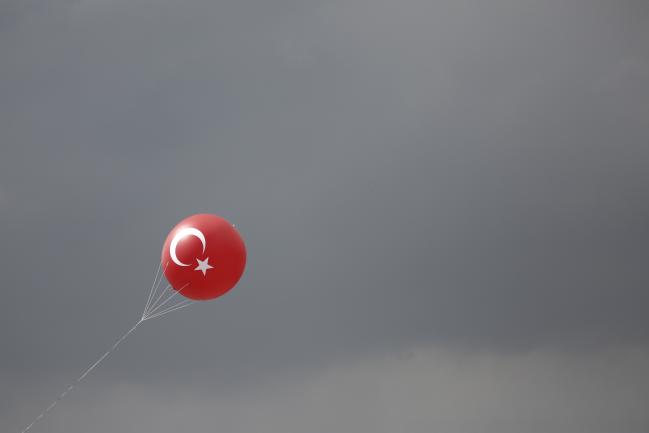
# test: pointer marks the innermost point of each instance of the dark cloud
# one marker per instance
(459, 175)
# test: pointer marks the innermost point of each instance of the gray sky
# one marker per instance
(445, 205)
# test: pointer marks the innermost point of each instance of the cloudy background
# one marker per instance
(446, 207)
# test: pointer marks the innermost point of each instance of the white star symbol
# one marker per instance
(203, 265)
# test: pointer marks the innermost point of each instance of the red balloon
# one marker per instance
(203, 257)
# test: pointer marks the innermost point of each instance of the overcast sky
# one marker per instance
(445, 205)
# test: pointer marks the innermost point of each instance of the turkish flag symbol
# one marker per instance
(203, 257)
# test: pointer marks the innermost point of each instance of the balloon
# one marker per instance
(203, 257)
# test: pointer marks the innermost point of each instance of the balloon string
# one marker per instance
(154, 286)
(154, 306)
(151, 311)
(154, 291)
(80, 378)
(160, 305)
(178, 306)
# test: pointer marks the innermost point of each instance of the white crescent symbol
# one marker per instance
(189, 231)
